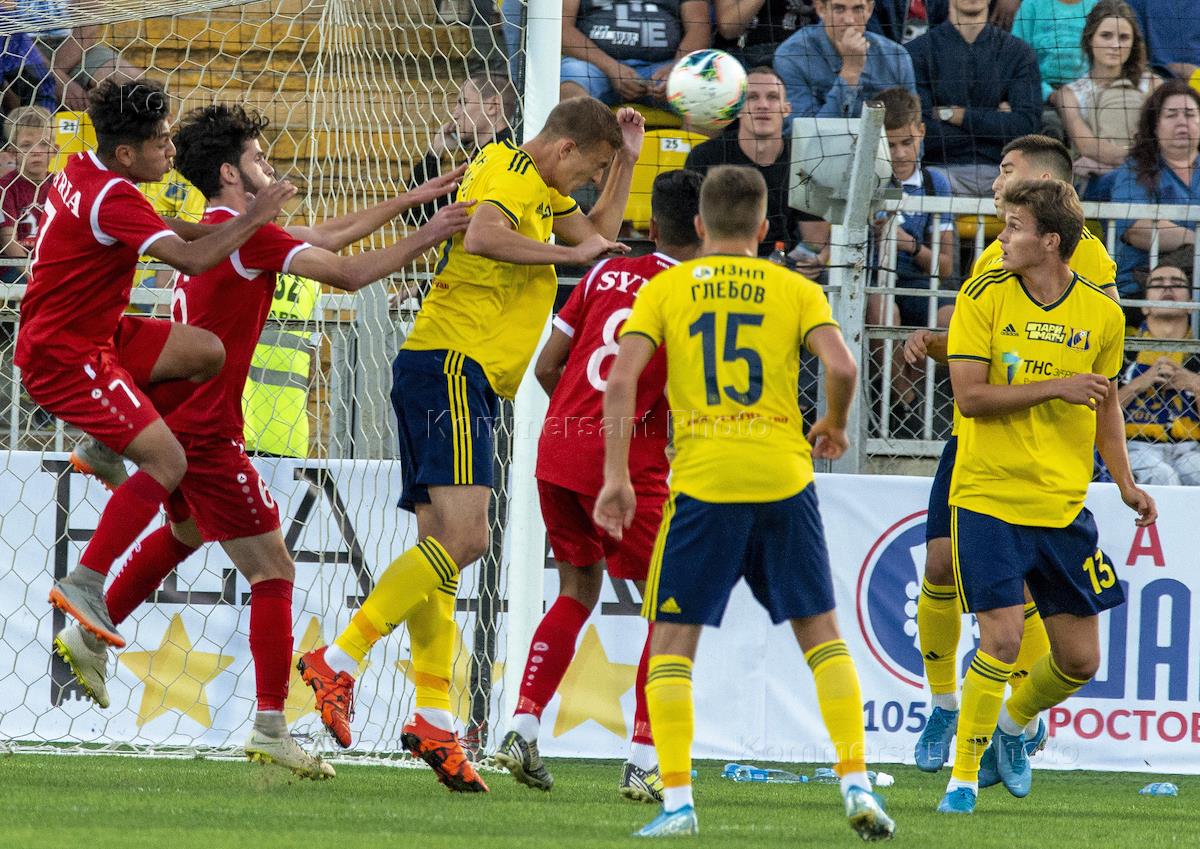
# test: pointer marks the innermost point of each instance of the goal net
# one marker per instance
(354, 89)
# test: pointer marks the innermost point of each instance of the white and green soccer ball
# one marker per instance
(707, 86)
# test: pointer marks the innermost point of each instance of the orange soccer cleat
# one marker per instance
(335, 694)
(442, 751)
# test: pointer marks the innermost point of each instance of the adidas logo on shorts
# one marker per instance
(669, 606)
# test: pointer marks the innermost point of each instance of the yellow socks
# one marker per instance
(982, 695)
(1045, 687)
(431, 631)
(409, 580)
(1035, 645)
(673, 716)
(939, 622)
(840, 699)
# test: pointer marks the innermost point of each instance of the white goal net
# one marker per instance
(353, 91)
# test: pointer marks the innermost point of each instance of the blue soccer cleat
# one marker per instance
(867, 817)
(959, 801)
(989, 773)
(680, 823)
(933, 747)
(1037, 742)
(1012, 763)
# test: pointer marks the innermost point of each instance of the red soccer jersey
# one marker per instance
(22, 205)
(571, 449)
(231, 300)
(95, 227)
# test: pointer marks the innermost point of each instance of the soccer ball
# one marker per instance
(708, 87)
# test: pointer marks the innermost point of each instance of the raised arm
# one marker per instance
(606, 216)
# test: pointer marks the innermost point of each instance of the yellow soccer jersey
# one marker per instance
(1031, 467)
(733, 327)
(1090, 260)
(492, 311)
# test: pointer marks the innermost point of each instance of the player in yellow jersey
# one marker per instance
(743, 503)
(1035, 351)
(939, 618)
(492, 292)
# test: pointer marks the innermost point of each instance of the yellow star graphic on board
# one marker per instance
(301, 699)
(174, 676)
(592, 688)
(460, 677)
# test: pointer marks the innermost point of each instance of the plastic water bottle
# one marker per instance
(1160, 788)
(779, 255)
(748, 772)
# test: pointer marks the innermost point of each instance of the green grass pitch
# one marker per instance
(129, 803)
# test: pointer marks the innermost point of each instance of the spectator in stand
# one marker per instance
(81, 61)
(1100, 110)
(621, 51)
(1159, 390)
(979, 90)
(752, 30)
(831, 68)
(1163, 167)
(24, 189)
(1172, 29)
(1054, 28)
(25, 78)
(480, 117)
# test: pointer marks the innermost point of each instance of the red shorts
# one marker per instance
(227, 497)
(104, 395)
(577, 540)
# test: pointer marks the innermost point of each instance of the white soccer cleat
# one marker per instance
(284, 751)
(88, 659)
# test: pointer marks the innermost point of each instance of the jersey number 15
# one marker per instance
(706, 328)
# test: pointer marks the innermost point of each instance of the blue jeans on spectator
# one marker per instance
(596, 83)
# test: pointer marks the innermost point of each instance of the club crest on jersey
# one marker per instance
(702, 272)
(1079, 340)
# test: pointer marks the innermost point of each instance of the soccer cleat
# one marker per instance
(933, 746)
(93, 458)
(680, 823)
(521, 758)
(83, 601)
(989, 772)
(641, 785)
(1037, 742)
(88, 659)
(284, 751)
(334, 691)
(1012, 763)
(867, 817)
(957, 801)
(441, 750)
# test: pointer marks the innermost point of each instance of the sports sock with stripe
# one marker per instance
(1035, 644)
(431, 631)
(405, 583)
(939, 622)
(1046, 686)
(132, 507)
(148, 565)
(550, 653)
(982, 693)
(840, 701)
(672, 713)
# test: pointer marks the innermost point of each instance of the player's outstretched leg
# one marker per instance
(1035, 644)
(93, 458)
(641, 780)
(672, 714)
(87, 658)
(983, 690)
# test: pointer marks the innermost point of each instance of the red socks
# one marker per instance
(641, 713)
(132, 507)
(550, 653)
(271, 640)
(151, 561)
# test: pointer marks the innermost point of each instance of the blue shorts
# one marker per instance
(704, 548)
(1064, 568)
(445, 416)
(937, 519)
(590, 78)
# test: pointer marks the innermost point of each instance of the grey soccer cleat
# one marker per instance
(867, 817)
(284, 751)
(641, 785)
(92, 457)
(80, 595)
(521, 758)
(88, 659)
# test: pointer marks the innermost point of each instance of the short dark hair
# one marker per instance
(901, 108)
(585, 121)
(126, 113)
(493, 83)
(733, 201)
(210, 137)
(1055, 207)
(674, 205)
(765, 69)
(1048, 153)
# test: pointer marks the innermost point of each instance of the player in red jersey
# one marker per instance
(570, 472)
(73, 361)
(219, 152)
